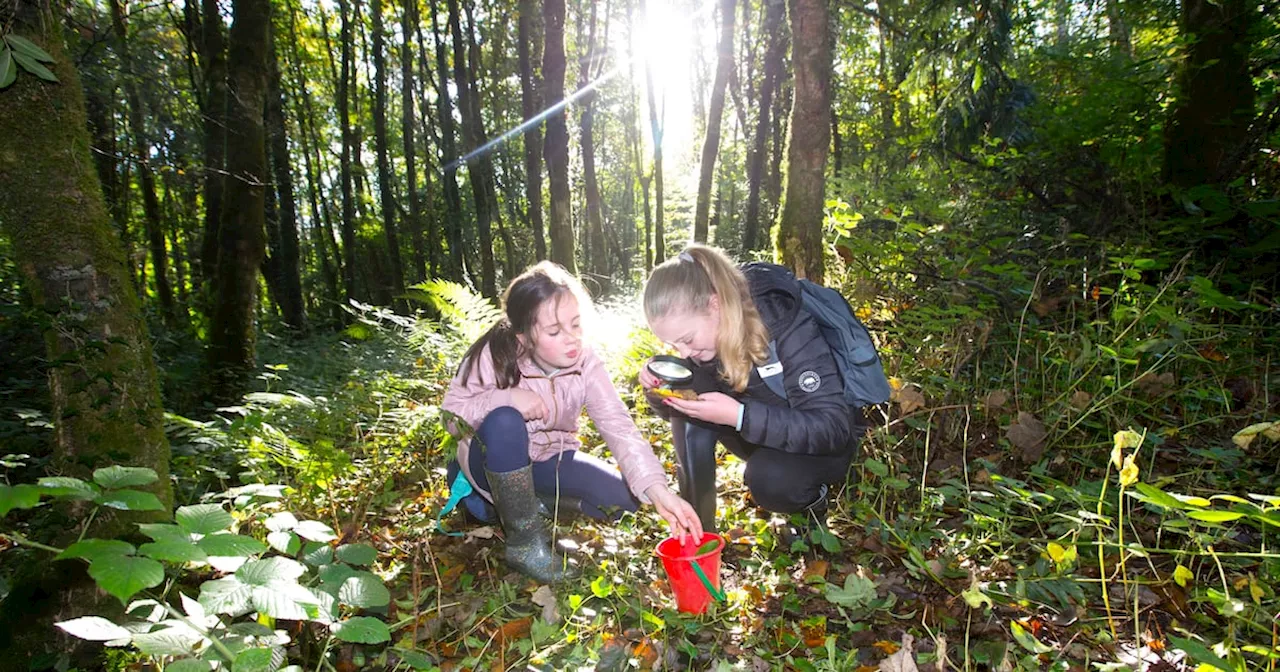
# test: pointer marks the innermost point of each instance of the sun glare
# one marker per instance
(664, 40)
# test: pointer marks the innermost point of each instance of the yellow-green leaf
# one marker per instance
(1124, 439)
(1246, 436)
(1182, 576)
(1215, 516)
(974, 596)
(1129, 472)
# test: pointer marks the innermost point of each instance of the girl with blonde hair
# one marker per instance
(737, 325)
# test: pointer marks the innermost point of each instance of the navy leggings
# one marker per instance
(501, 444)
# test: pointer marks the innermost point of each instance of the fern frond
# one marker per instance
(465, 311)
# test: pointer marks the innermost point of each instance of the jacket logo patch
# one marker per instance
(809, 381)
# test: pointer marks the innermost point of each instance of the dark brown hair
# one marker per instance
(521, 302)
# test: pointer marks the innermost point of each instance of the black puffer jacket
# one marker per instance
(814, 419)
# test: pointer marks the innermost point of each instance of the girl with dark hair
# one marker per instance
(522, 387)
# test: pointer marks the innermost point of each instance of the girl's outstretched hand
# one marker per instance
(683, 520)
(714, 407)
(647, 380)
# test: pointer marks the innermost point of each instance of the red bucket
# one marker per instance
(692, 596)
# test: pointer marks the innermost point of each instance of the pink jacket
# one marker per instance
(565, 393)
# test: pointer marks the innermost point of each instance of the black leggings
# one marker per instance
(501, 444)
(783, 482)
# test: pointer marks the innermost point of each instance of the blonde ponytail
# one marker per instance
(686, 283)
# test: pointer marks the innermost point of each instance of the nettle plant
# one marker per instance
(296, 575)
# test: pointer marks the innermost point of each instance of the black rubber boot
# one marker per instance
(528, 535)
(814, 517)
(695, 449)
(568, 510)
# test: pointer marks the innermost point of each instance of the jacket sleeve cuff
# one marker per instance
(742, 410)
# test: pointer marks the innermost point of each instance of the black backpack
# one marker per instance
(851, 345)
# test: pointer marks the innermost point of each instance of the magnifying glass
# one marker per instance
(672, 371)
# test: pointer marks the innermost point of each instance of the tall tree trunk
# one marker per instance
(342, 90)
(1210, 121)
(556, 143)
(432, 139)
(241, 237)
(449, 156)
(800, 224)
(1118, 30)
(386, 195)
(527, 42)
(711, 144)
(213, 40)
(105, 159)
(655, 126)
(634, 131)
(103, 385)
(285, 258)
(408, 19)
(479, 169)
(598, 258)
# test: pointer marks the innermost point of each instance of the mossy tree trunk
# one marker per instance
(799, 240)
(555, 147)
(774, 11)
(386, 197)
(104, 390)
(711, 143)
(242, 233)
(527, 43)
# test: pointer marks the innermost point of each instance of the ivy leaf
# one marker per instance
(94, 550)
(22, 496)
(65, 486)
(115, 477)
(34, 67)
(8, 71)
(94, 629)
(362, 630)
(364, 590)
(177, 552)
(130, 500)
(203, 518)
(125, 575)
(357, 554)
(23, 45)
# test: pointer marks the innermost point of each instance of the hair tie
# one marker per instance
(685, 256)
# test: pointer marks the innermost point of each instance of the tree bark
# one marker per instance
(1215, 101)
(530, 30)
(800, 224)
(655, 126)
(479, 169)
(103, 385)
(1118, 30)
(408, 19)
(556, 142)
(597, 255)
(285, 258)
(449, 155)
(386, 196)
(213, 41)
(241, 236)
(711, 144)
(105, 153)
(348, 225)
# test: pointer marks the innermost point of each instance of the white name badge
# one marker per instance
(770, 369)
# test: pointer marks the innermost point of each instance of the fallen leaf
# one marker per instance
(1246, 436)
(1210, 352)
(904, 660)
(1027, 434)
(1045, 306)
(514, 630)
(909, 399)
(485, 532)
(887, 647)
(1182, 575)
(545, 598)
(1153, 385)
(974, 596)
(815, 634)
(1080, 400)
(815, 572)
(647, 654)
(996, 400)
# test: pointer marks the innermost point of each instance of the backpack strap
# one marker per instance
(771, 372)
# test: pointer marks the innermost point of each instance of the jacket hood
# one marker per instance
(776, 293)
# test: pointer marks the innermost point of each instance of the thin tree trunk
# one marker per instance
(527, 44)
(800, 224)
(429, 138)
(215, 143)
(1118, 30)
(241, 243)
(556, 143)
(285, 259)
(480, 170)
(635, 131)
(449, 156)
(655, 126)
(408, 19)
(344, 166)
(598, 259)
(386, 196)
(711, 144)
(774, 10)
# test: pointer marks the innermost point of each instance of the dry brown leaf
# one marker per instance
(514, 630)
(1027, 435)
(815, 572)
(1047, 305)
(904, 660)
(1080, 400)
(1153, 385)
(996, 400)
(545, 598)
(814, 635)
(647, 654)
(909, 399)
